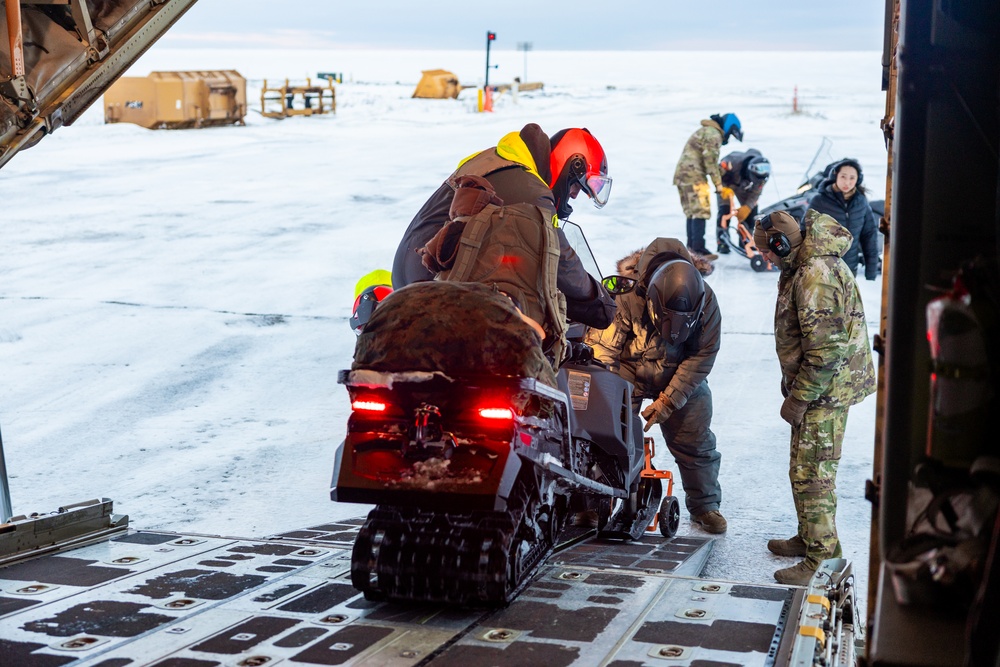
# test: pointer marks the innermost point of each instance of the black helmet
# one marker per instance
(675, 298)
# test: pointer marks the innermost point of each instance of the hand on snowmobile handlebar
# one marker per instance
(657, 412)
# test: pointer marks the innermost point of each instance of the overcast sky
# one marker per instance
(767, 25)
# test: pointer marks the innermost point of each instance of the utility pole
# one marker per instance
(485, 96)
(525, 46)
(490, 36)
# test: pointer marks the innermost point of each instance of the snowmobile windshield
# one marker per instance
(578, 242)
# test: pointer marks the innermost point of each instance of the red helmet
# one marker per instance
(578, 157)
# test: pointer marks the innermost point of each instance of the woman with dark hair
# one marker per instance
(842, 197)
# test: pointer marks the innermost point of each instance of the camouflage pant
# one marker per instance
(695, 199)
(815, 455)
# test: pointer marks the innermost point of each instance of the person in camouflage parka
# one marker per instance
(698, 164)
(821, 338)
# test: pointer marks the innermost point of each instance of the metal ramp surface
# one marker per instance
(174, 600)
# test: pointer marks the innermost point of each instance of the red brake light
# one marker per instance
(368, 406)
(496, 413)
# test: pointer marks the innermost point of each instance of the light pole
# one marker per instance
(490, 36)
(525, 46)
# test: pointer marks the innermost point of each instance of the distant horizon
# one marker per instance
(166, 44)
(584, 25)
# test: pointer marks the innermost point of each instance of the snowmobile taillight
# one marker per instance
(368, 406)
(496, 413)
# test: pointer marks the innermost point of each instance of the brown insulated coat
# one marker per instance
(635, 349)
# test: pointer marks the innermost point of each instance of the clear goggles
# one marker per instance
(598, 188)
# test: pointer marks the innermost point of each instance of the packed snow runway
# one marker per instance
(174, 304)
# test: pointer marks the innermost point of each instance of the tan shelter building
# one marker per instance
(438, 84)
(178, 99)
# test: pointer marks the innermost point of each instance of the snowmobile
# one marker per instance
(739, 236)
(475, 477)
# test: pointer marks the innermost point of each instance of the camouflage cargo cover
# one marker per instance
(455, 328)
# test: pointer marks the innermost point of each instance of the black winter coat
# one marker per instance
(855, 214)
(736, 175)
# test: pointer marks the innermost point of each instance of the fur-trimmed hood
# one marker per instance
(640, 264)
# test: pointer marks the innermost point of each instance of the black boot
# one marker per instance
(721, 246)
(696, 235)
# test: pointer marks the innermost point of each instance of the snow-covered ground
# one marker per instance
(174, 304)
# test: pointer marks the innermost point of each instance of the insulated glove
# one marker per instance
(793, 410)
(742, 213)
(657, 412)
(726, 193)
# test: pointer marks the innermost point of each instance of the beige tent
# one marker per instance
(438, 84)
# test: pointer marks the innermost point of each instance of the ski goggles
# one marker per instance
(760, 169)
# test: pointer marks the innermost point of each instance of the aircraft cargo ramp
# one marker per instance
(178, 600)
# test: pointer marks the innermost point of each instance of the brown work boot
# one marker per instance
(793, 546)
(797, 575)
(711, 522)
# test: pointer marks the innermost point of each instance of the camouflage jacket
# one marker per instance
(820, 332)
(700, 158)
(633, 348)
